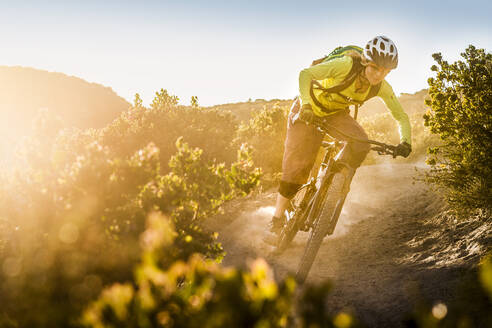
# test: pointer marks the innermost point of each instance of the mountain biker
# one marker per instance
(318, 99)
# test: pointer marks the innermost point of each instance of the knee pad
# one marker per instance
(288, 189)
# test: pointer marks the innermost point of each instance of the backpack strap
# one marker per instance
(373, 91)
(349, 79)
(356, 69)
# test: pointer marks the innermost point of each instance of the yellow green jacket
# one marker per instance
(333, 72)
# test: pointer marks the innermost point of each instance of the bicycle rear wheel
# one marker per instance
(325, 207)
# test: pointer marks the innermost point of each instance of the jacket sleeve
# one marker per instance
(386, 93)
(335, 69)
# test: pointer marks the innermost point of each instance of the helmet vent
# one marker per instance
(382, 51)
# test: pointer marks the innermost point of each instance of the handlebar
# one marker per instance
(385, 149)
(380, 147)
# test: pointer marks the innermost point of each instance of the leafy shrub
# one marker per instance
(193, 190)
(164, 122)
(461, 114)
(195, 293)
(70, 219)
(265, 132)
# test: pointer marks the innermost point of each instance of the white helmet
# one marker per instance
(382, 51)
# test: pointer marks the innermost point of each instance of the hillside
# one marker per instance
(412, 103)
(243, 110)
(77, 102)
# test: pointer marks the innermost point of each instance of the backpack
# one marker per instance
(356, 69)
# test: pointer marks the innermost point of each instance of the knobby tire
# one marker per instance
(327, 203)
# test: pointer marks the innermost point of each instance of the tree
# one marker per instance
(194, 102)
(461, 114)
(137, 102)
(164, 101)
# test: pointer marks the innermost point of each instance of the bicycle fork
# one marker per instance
(349, 173)
(333, 167)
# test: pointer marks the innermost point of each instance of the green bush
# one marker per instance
(71, 217)
(265, 132)
(164, 122)
(461, 114)
(195, 293)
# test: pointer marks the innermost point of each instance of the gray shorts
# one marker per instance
(303, 141)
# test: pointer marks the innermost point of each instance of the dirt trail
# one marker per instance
(388, 247)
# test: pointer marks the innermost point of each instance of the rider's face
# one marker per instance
(375, 73)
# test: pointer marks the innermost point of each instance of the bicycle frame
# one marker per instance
(315, 189)
(323, 177)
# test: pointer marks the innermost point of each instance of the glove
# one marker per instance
(307, 115)
(403, 149)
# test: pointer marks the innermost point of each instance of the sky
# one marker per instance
(229, 51)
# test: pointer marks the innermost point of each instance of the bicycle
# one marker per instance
(318, 203)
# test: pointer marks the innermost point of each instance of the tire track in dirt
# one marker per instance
(383, 251)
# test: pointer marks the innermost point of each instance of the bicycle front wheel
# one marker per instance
(325, 207)
(287, 235)
(300, 204)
